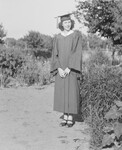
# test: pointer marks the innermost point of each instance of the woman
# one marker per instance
(66, 65)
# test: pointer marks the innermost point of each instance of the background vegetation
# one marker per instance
(102, 72)
(25, 61)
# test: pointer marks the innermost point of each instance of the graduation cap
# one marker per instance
(63, 17)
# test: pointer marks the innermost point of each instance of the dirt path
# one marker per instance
(27, 122)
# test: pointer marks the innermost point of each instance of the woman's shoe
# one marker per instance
(63, 123)
(70, 123)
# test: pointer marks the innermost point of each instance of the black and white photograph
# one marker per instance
(61, 75)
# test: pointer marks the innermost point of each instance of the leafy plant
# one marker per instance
(113, 132)
(103, 17)
(2, 34)
(101, 86)
(10, 61)
(34, 72)
(18, 65)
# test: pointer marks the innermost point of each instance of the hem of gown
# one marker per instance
(65, 111)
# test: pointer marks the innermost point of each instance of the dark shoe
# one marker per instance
(63, 123)
(70, 123)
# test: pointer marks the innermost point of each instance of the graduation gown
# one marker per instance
(67, 52)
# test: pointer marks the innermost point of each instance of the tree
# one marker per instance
(10, 42)
(13, 43)
(47, 41)
(2, 34)
(96, 42)
(103, 17)
(40, 45)
(21, 43)
(33, 40)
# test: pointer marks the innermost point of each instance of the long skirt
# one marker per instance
(67, 94)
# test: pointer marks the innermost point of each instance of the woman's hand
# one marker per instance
(61, 72)
(67, 71)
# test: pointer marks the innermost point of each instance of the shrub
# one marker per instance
(112, 137)
(16, 65)
(34, 72)
(101, 86)
(11, 59)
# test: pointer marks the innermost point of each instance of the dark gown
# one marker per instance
(67, 52)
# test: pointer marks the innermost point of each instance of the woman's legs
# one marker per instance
(70, 121)
(70, 117)
(64, 121)
(65, 116)
(67, 120)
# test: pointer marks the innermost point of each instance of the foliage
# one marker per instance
(96, 42)
(47, 41)
(20, 43)
(34, 40)
(93, 41)
(41, 53)
(100, 87)
(19, 66)
(11, 43)
(10, 61)
(26, 60)
(113, 132)
(103, 17)
(40, 45)
(34, 72)
(2, 34)
(34, 43)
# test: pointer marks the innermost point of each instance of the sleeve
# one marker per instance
(75, 59)
(55, 64)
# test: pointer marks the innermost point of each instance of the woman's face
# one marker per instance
(66, 25)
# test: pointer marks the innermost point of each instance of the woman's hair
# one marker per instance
(62, 28)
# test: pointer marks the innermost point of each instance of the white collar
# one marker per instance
(70, 32)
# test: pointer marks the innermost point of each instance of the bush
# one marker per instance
(112, 137)
(34, 72)
(11, 59)
(101, 86)
(16, 65)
